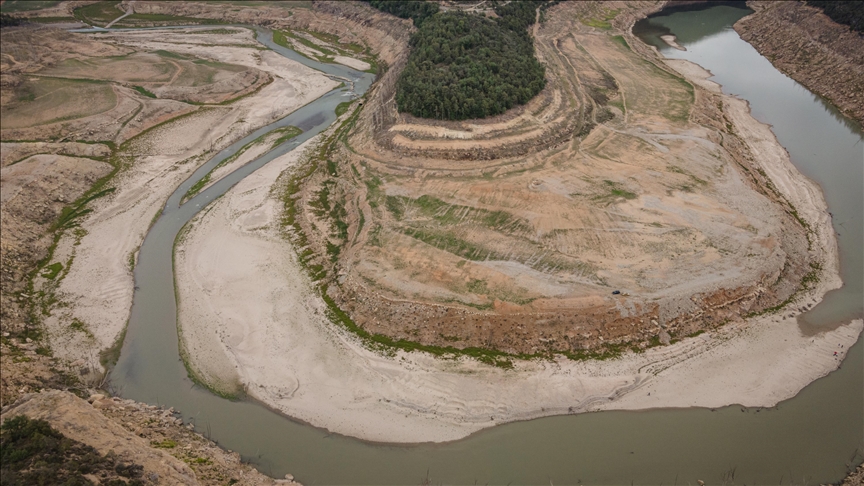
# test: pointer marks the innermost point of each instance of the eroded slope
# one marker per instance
(512, 233)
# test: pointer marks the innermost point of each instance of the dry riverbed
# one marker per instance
(96, 293)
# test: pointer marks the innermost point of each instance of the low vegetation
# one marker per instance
(8, 20)
(276, 137)
(33, 452)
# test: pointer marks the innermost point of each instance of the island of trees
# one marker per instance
(465, 66)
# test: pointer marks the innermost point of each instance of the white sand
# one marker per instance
(352, 63)
(98, 289)
(256, 321)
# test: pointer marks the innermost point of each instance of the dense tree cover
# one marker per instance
(519, 15)
(466, 66)
(418, 11)
(846, 12)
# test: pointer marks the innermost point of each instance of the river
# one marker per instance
(809, 438)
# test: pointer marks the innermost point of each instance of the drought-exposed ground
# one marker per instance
(97, 130)
(154, 106)
(512, 233)
(494, 238)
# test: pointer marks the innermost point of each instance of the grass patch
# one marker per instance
(285, 134)
(108, 357)
(615, 193)
(281, 37)
(51, 271)
(74, 211)
(81, 326)
(143, 91)
(451, 214)
(389, 345)
(602, 21)
(163, 19)
(51, 20)
(450, 243)
(164, 444)
(326, 54)
(620, 40)
(341, 108)
(99, 13)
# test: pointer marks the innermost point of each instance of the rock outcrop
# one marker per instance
(146, 435)
(78, 420)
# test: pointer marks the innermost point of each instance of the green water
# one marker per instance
(808, 439)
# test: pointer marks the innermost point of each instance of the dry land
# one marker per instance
(97, 130)
(399, 279)
(502, 240)
(511, 234)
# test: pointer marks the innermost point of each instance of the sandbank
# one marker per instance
(98, 288)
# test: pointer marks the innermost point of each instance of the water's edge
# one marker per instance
(669, 440)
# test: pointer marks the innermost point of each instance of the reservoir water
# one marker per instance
(807, 439)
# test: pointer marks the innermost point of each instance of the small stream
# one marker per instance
(806, 439)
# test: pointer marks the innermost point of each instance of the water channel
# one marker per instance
(809, 438)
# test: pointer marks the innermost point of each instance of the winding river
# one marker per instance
(809, 438)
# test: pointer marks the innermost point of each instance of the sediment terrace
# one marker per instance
(512, 233)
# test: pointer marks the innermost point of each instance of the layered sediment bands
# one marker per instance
(512, 233)
(806, 45)
(352, 22)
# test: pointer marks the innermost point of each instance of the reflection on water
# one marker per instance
(689, 23)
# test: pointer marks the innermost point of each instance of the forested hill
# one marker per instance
(847, 12)
(465, 65)
(418, 11)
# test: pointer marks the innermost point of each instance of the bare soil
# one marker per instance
(74, 108)
(512, 233)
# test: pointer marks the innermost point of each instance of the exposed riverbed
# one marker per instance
(810, 436)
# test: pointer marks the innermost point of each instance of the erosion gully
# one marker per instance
(807, 439)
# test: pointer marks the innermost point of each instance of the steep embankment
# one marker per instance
(806, 45)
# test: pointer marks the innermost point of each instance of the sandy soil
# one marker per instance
(513, 233)
(98, 288)
(352, 63)
(282, 349)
